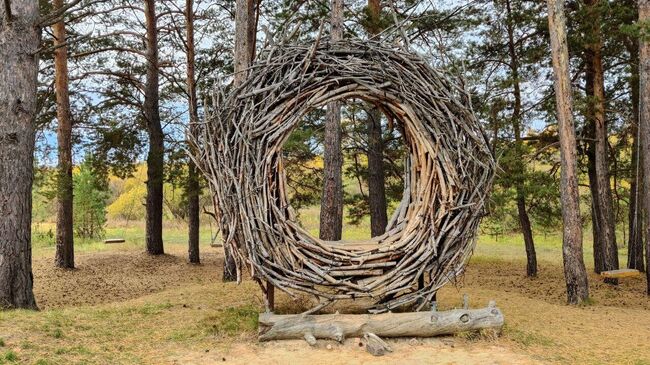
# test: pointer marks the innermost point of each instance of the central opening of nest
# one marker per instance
(372, 152)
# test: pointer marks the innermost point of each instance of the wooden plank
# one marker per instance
(622, 273)
(114, 240)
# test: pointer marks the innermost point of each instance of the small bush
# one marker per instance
(90, 195)
(10, 356)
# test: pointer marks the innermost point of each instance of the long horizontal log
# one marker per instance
(412, 324)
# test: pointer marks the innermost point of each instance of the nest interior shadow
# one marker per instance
(449, 172)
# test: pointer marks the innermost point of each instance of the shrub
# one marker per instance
(90, 195)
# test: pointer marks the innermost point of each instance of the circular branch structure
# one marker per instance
(449, 172)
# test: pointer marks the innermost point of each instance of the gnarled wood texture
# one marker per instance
(449, 172)
(412, 324)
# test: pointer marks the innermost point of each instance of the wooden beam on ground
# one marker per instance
(412, 324)
(622, 273)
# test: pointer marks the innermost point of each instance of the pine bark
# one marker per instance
(574, 267)
(64, 257)
(331, 209)
(644, 122)
(155, 155)
(19, 41)
(245, 32)
(376, 175)
(635, 217)
(605, 245)
(376, 171)
(522, 213)
(193, 191)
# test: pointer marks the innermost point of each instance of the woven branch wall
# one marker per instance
(449, 172)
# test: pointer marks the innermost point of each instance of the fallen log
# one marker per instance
(620, 274)
(411, 324)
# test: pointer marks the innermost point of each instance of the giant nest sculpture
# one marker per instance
(449, 172)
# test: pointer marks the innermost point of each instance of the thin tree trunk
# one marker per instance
(331, 209)
(644, 122)
(245, 31)
(635, 218)
(590, 151)
(574, 267)
(376, 171)
(19, 38)
(193, 189)
(64, 257)
(155, 156)
(522, 213)
(603, 198)
(494, 112)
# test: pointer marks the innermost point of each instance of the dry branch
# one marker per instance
(449, 172)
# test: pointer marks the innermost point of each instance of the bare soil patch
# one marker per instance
(115, 276)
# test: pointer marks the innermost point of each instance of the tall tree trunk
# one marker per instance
(64, 257)
(644, 123)
(376, 171)
(603, 199)
(574, 267)
(331, 209)
(19, 39)
(193, 189)
(590, 151)
(635, 218)
(155, 156)
(376, 174)
(245, 32)
(522, 213)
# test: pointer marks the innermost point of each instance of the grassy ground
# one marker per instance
(122, 306)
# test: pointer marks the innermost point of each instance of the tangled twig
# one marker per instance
(449, 172)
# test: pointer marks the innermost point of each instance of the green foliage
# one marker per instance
(90, 195)
(539, 185)
(303, 166)
(44, 195)
(9, 357)
(303, 163)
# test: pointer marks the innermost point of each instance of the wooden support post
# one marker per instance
(435, 295)
(411, 324)
(270, 297)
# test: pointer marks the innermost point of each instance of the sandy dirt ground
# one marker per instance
(405, 351)
(540, 328)
(115, 276)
